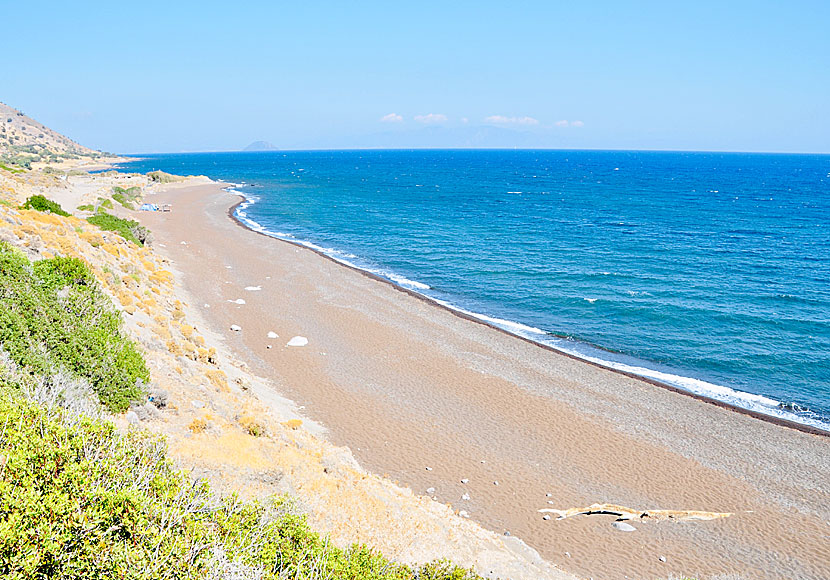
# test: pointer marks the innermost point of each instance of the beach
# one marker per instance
(500, 427)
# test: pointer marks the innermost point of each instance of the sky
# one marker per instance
(209, 76)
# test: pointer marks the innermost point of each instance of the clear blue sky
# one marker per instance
(198, 76)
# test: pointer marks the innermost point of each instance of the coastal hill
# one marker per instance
(24, 141)
(261, 146)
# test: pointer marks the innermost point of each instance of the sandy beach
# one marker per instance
(430, 399)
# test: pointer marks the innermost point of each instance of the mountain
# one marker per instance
(24, 141)
(261, 146)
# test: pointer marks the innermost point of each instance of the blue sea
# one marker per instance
(709, 271)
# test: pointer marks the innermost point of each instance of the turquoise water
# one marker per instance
(709, 271)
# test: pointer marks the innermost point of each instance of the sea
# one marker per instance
(707, 271)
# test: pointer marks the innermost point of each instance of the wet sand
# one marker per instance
(408, 385)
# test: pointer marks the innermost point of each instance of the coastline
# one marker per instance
(776, 420)
(226, 425)
(658, 445)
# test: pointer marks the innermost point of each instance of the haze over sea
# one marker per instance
(710, 271)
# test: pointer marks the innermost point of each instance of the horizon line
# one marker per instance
(595, 149)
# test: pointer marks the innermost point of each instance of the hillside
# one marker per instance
(24, 141)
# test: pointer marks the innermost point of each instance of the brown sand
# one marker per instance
(408, 385)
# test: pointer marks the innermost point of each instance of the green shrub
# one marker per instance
(128, 229)
(10, 169)
(81, 500)
(161, 177)
(119, 197)
(40, 203)
(54, 316)
(86, 207)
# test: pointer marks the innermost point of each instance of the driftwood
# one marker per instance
(624, 513)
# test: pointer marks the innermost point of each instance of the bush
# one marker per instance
(40, 203)
(119, 197)
(81, 500)
(161, 177)
(128, 229)
(54, 316)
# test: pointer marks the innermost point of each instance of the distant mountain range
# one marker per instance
(261, 146)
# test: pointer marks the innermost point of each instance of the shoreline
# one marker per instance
(407, 386)
(781, 421)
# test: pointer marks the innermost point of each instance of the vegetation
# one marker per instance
(10, 169)
(82, 500)
(86, 207)
(161, 177)
(40, 203)
(128, 229)
(126, 197)
(54, 317)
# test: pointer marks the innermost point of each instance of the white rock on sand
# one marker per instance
(253, 288)
(298, 341)
(237, 301)
(236, 327)
(273, 334)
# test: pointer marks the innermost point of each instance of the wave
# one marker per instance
(585, 351)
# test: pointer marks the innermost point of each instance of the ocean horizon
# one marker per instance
(706, 271)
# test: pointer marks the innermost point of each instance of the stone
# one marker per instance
(273, 334)
(140, 412)
(465, 480)
(662, 558)
(463, 514)
(158, 397)
(236, 327)
(430, 490)
(466, 497)
(428, 468)
(546, 517)
(297, 341)
(623, 527)
(495, 483)
(132, 418)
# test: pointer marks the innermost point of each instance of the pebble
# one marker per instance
(548, 495)
(273, 334)
(428, 468)
(546, 517)
(237, 301)
(430, 490)
(466, 497)
(465, 480)
(236, 327)
(495, 483)
(567, 554)
(297, 341)
(463, 514)
(506, 533)
(662, 558)
(623, 527)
